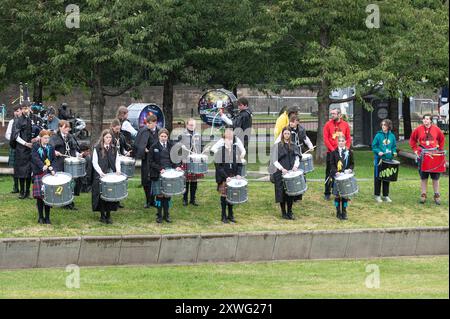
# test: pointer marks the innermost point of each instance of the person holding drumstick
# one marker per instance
(159, 161)
(286, 157)
(228, 153)
(384, 147)
(105, 160)
(42, 160)
(341, 161)
(427, 136)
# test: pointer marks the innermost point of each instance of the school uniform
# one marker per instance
(340, 160)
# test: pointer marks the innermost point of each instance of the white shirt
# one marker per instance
(97, 167)
(226, 119)
(221, 143)
(280, 167)
(126, 126)
(307, 142)
(9, 130)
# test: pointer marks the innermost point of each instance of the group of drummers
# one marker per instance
(60, 167)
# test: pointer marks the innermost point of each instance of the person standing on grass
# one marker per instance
(427, 136)
(42, 160)
(12, 146)
(385, 148)
(341, 162)
(332, 129)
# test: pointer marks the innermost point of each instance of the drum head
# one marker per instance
(113, 178)
(392, 162)
(344, 176)
(127, 160)
(172, 174)
(306, 157)
(198, 157)
(74, 160)
(237, 182)
(292, 174)
(57, 179)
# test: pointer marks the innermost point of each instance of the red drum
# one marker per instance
(432, 161)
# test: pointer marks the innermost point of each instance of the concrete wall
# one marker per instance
(196, 248)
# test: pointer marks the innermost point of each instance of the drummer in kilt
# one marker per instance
(229, 151)
(427, 136)
(286, 156)
(65, 145)
(104, 161)
(384, 147)
(341, 160)
(159, 161)
(42, 160)
(192, 141)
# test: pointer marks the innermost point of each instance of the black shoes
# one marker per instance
(159, 219)
(284, 216)
(327, 196)
(290, 216)
(167, 219)
(15, 191)
(185, 202)
(344, 214)
(41, 220)
(338, 213)
(193, 203)
(121, 206)
(21, 195)
(231, 219)
(47, 221)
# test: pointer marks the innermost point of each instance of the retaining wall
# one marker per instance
(231, 247)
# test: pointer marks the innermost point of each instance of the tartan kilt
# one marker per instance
(189, 176)
(11, 157)
(222, 189)
(156, 187)
(37, 186)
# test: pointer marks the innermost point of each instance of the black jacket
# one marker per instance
(227, 165)
(120, 141)
(59, 145)
(145, 138)
(243, 119)
(38, 157)
(346, 161)
(154, 160)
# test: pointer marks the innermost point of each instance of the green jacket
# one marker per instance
(386, 143)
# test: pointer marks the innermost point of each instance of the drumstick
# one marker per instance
(310, 149)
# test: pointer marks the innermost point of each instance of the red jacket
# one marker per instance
(330, 135)
(419, 140)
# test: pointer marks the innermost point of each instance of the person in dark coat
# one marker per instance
(22, 134)
(119, 139)
(146, 137)
(341, 160)
(104, 160)
(159, 161)
(286, 157)
(65, 145)
(242, 121)
(85, 182)
(42, 160)
(228, 153)
(12, 146)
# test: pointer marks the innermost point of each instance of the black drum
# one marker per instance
(388, 170)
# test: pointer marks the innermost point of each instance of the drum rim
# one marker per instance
(235, 179)
(59, 205)
(391, 161)
(299, 172)
(74, 159)
(173, 194)
(115, 199)
(178, 172)
(339, 178)
(235, 203)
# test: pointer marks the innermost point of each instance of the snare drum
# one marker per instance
(388, 170)
(113, 187)
(306, 163)
(345, 185)
(237, 191)
(57, 189)
(197, 164)
(295, 183)
(75, 166)
(127, 165)
(173, 182)
(432, 161)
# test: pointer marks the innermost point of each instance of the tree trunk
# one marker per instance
(168, 101)
(406, 113)
(393, 116)
(37, 91)
(96, 106)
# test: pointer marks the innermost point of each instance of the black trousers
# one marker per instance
(378, 183)
(193, 187)
(328, 184)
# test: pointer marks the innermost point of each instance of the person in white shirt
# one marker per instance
(12, 150)
(126, 128)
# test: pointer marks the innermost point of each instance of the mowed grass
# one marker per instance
(18, 218)
(419, 277)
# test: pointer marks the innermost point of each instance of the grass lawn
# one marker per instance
(18, 218)
(419, 277)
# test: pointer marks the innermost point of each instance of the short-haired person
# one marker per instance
(52, 120)
(105, 160)
(286, 157)
(126, 128)
(160, 161)
(42, 160)
(298, 133)
(145, 138)
(427, 136)
(243, 121)
(384, 147)
(332, 129)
